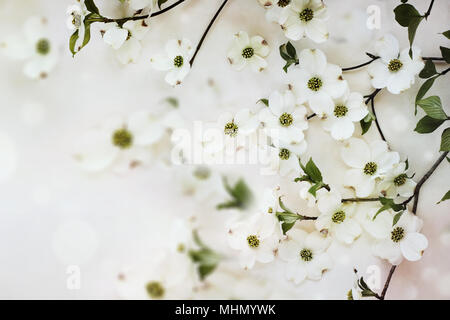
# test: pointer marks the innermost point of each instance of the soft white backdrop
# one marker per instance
(53, 215)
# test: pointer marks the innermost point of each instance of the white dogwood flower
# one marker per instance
(248, 51)
(256, 238)
(369, 163)
(167, 276)
(123, 143)
(34, 46)
(395, 70)
(231, 132)
(347, 110)
(282, 158)
(126, 40)
(404, 241)
(175, 61)
(306, 18)
(317, 82)
(284, 119)
(397, 183)
(305, 254)
(337, 218)
(277, 11)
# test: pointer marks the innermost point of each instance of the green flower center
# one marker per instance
(400, 179)
(178, 61)
(370, 168)
(286, 119)
(284, 154)
(395, 65)
(253, 241)
(306, 255)
(306, 15)
(340, 111)
(247, 53)
(43, 46)
(155, 290)
(397, 234)
(338, 217)
(283, 3)
(231, 129)
(315, 84)
(202, 173)
(122, 138)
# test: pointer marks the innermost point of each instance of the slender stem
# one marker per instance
(424, 179)
(362, 64)
(433, 58)
(307, 218)
(371, 98)
(445, 71)
(135, 18)
(206, 32)
(429, 9)
(388, 281)
(359, 199)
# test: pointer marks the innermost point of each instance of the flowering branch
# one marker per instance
(121, 21)
(206, 32)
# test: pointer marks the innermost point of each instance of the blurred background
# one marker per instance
(54, 215)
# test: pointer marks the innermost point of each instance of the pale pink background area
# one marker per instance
(53, 215)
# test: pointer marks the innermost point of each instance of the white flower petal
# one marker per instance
(413, 245)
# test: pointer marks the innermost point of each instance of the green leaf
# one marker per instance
(429, 70)
(433, 107)
(173, 102)
(72, 42)
(445, 54)
(206, 258)
(396, 218)
(388, 204)
(424, 89)
(428, 124)
(91, 7)
(265, 101)
(405, 13)
(287, 219)
(314, 188)
(313, 172)
(289, 54)
(412, 28)
(240, 193)
(445, 197)
(445, 140)
(366, 122)
(447, 34)
(161, 2)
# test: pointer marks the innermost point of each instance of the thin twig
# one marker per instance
(388, 281)
(136, 18)
(424, 179)
(362, 64)
(371, 98)
(206, 32)
(429, 9)
(359, 199)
